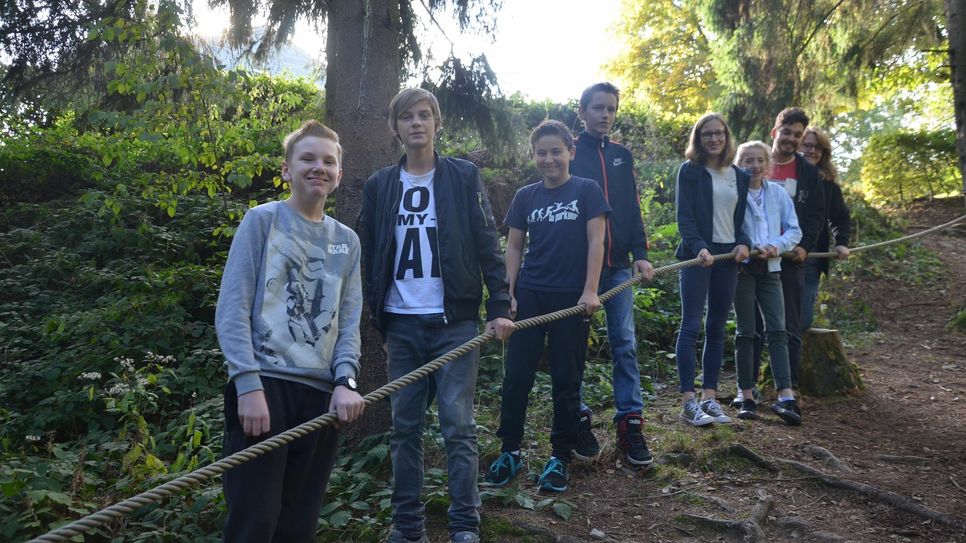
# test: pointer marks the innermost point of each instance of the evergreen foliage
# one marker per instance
(899, 167)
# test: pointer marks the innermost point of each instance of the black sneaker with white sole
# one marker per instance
(739, 398)
(748, 410)
(789, 412)
(630, 440)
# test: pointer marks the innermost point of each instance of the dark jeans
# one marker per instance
(414, 340)
(277, 496)
(567, 342)
(714, 288)
(762, 294)
(793, 285)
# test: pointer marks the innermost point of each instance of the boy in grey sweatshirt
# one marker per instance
(288, 324)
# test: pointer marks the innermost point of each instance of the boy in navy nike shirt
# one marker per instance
(560, 219)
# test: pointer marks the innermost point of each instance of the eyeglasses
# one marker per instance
(810, 146)
(716, 134)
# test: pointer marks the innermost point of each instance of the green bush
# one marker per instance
(898, 167)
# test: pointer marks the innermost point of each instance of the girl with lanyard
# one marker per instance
(771, 223)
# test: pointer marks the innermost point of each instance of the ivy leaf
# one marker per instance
(524, 501)
(340, 519)
(563, 510)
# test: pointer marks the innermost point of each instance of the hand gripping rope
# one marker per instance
(202, 475)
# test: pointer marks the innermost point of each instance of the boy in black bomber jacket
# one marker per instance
(430, 243)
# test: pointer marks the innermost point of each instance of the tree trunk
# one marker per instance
(956, 30)
(362, 75)
(825, 369)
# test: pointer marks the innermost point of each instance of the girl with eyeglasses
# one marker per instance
(817, 150)
(710, 200)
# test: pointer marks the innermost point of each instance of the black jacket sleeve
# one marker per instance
(813, 218)
(838, 215)
(638, 236)
(685, 196)
(488, 249)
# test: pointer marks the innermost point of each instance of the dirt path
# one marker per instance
(905, 434)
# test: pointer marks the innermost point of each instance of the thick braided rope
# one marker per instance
(202, 475)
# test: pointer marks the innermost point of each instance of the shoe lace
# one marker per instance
(504, 461)
(553, 466)
(635, 440)
(712, 406)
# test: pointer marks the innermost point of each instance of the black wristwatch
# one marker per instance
(347, 382)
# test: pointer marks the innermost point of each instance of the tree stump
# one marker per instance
(825, 369)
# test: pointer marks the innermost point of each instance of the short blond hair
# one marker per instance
(754, 144)
(310, 127)
(407, 99)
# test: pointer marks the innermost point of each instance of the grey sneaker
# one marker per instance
(713, 410)
(397, 537)
(693, 415)
(464, 537)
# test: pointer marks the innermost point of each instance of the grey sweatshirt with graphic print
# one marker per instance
(290, 300)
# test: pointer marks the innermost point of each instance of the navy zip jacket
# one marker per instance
(694, 201)
(468, 243)
(839, 222)
(612, 166)
(809, 203)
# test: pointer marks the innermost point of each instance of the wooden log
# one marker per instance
(825, 368)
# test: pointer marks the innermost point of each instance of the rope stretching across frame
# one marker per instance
(202, 475)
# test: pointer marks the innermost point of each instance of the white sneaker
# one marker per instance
(713, 410)
(694, 415)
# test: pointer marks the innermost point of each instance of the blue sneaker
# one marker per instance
(554, 476)
(504, 469)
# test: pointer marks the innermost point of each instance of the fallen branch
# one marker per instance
(829, 458)
(752, 528)
(900, 459)
(876, 493)
(744, 452)
(723, 505)
(882, 495)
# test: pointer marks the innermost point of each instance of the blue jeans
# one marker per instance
(761, 292)
(623, 345)
(813, 276)
(414, 340)
(713, 287)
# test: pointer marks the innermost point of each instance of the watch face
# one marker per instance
(351, 382)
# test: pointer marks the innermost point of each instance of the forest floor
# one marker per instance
(893, 456)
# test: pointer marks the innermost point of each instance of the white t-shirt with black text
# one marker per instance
(417, 284)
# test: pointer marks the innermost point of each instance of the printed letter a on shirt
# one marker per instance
(414, 202)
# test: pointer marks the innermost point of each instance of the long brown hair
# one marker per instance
(825, 166)
(696, 152)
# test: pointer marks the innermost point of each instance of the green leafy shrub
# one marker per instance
(898, 167)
